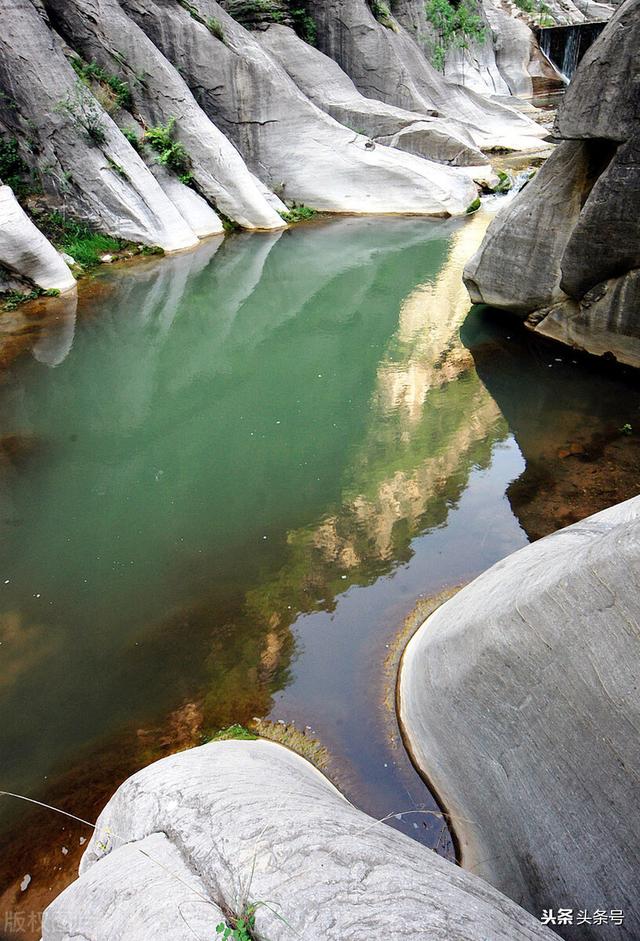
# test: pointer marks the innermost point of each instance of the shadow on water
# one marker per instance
(221, 497)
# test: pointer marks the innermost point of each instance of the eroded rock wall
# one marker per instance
(565, 252)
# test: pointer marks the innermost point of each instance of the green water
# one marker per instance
(238, 470)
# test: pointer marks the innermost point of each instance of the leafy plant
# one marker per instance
(14, 171)
(215, 28)
(626, 429)
(305, 26)
(243, 926)
(474, 206)
(171, 152)
(299, 214)
(84, 112)
(456, 26)
(236, 731)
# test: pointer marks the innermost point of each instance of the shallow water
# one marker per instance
(228, 477)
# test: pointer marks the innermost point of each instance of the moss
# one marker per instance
(235, 732)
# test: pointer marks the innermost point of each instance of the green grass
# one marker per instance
(92, 72)
(87, 251)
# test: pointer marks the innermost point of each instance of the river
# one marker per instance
(225, 481)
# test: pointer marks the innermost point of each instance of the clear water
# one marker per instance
(237, 471)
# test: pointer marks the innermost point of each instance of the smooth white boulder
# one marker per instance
(25, 251)
(207, 831)
(519, 698)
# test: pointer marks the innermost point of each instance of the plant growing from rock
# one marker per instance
(171, 152)
(455, 27)
(382, 13)
(92, 72)
(84, 112)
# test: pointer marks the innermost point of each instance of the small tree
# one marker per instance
(455, 26)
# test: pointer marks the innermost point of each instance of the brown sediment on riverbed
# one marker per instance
(582, 477)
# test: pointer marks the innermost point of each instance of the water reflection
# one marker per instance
(229, 492)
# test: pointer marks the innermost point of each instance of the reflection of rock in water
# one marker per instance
(567, 420)
(430, 422)
(54, 343)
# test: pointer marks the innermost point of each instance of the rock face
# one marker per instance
(520, 700)
(565, 251)
(389, 65)
(198, 836)
(82, 156)
(24, 251)
(299, 151)
(100, 31)
(331, 89)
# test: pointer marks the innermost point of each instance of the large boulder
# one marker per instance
(295, 148)
(78, 151)
(565, 253)
(193, 840)
(519, 699)
(101, 32)
(25, 252)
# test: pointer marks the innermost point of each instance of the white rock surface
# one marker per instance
(519, 697)
(100, 31)
(389, 65)
(192, 207)
(103, 178)
(331, 89)
(26, 252)
(210, 829)
(299, 151)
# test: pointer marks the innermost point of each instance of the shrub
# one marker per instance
(456, 26)
(84, 112)
(215, 28)
(133, 137)
(171, 153)
(382, 13)
(299, 214)
(14, 172)
(91, 71)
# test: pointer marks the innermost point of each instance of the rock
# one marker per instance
(519, 699)
(80, 154)
(196, 210)
(295, 148)
(563, 250)
(389, 65)
(106, 259)
(328, 87)
(102, 32)
(211, 830)
(26, 252)
(68, 260)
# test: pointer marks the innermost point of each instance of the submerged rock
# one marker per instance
(24, 251)
(565, 251)
(520, 701)
(200, 836)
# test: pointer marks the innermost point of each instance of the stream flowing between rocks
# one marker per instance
(226, 480)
